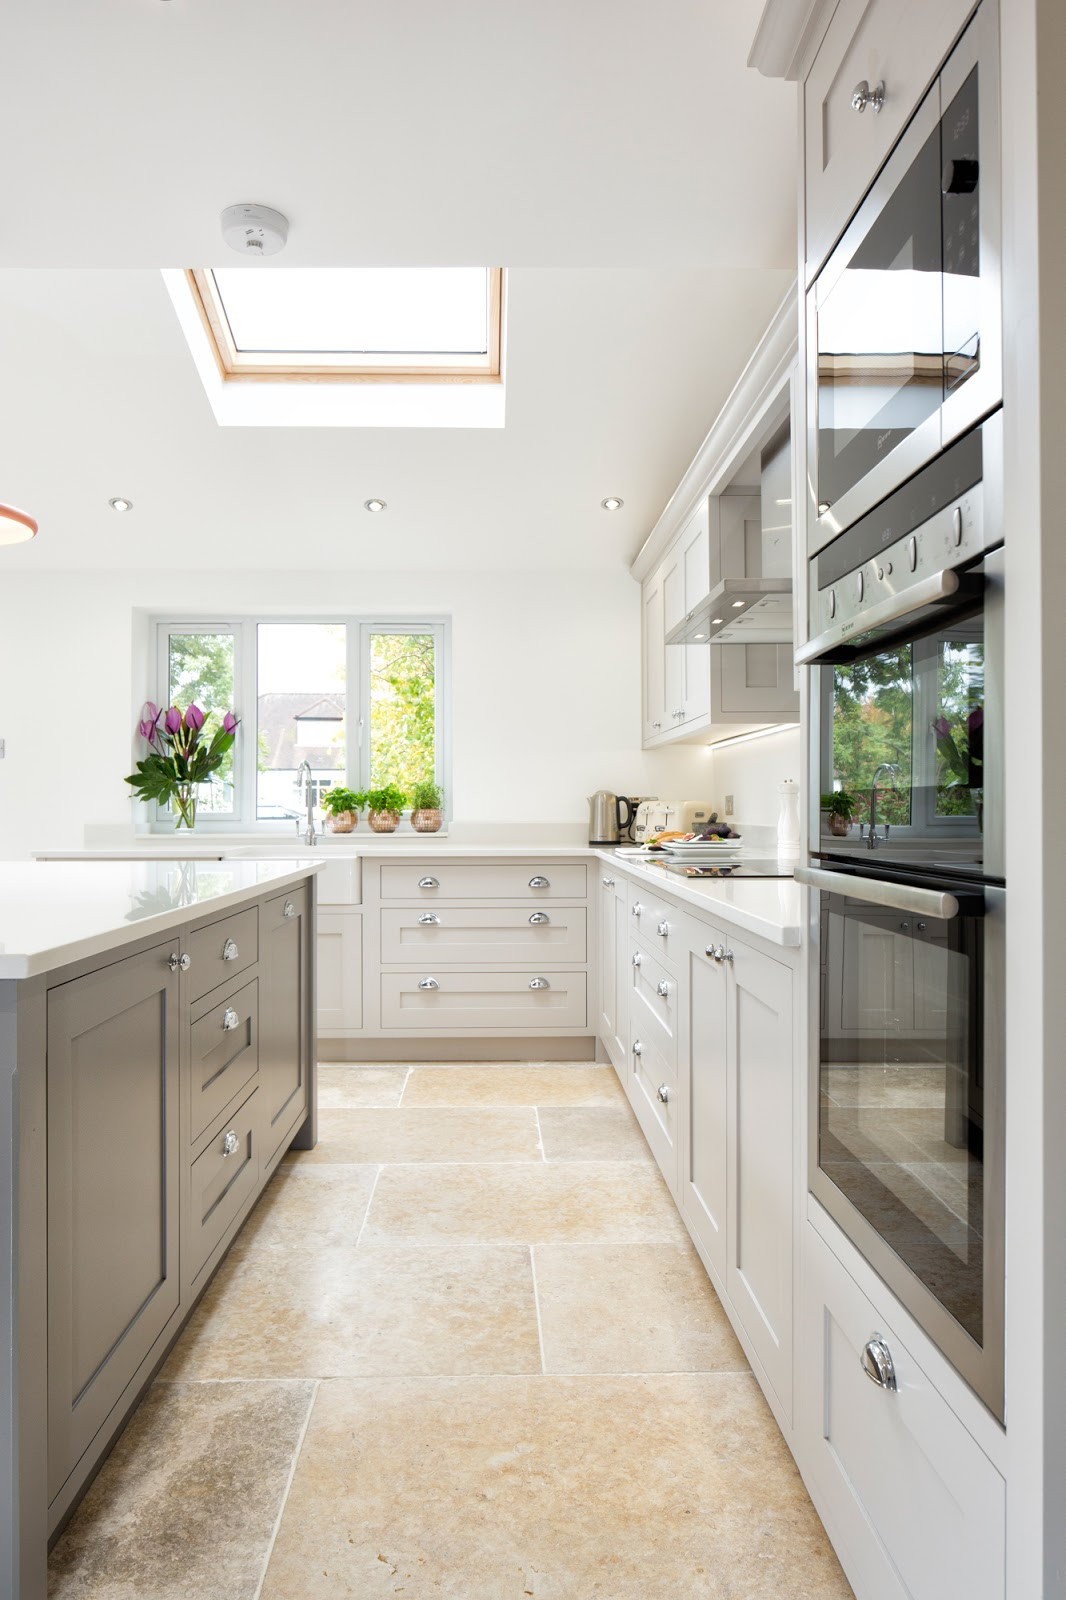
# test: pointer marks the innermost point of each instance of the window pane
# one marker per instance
(403, 671)
(872, 722)
(959, 728)
(201, 671)
(302, 713)
(357, 310)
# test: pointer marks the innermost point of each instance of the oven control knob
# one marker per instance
(956, 525)
(832, 602)
(912, 552)
(960, 177)
(860, 585)
(881, 573)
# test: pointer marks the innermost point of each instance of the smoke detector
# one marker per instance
(254, 230)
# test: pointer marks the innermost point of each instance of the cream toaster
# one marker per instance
(679, 816)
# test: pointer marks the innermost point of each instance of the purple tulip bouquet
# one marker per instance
(183, 753)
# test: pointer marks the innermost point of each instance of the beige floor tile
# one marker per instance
(308, 1205)
(522, 1202)
(592, 1133)
(342, 1085)
(185, 1506)
(523, 1085)
(631, 1308)
(651, 1488)
(419, 1133)
(392, 1309)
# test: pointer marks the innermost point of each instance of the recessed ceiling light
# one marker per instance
(699, 636)
(16, 526)
(375, 505)
(716, 622)
(120, 503)
(612, 503)
(737, 604)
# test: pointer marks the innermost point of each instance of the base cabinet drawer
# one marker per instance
(656, 921)
(653, 1094)
(464, 935)
(467, 1001)
(487, 880)
(221, 950)
(221, 1180)
(919, 1505)
(653, 1002)
(224, 1054)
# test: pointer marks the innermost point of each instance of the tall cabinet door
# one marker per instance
(704, 1061)
(614, 996)
(113, 1194)
(284, 1066)
(761, 1156)
(653, 658)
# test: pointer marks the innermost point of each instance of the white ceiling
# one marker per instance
(620, 159)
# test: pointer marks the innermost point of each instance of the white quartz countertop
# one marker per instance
(156, 848)
(52, 912)
(771, 907)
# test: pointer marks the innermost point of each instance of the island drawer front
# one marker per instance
(462, 934)
(220, 951)
(462, 1002)
(653, 1007)
(656, 921)
(222, 1180)
(485, 880)
(654, 1098)
(224, 1054)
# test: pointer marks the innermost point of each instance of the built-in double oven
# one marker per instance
(905, 589)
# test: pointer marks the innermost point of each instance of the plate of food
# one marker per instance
(712, 841)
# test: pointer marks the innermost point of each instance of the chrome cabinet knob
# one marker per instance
(537, 882)
(862, 96)
(428, 883)
(638, 1048)
(662, 988)
(718, 953)
(539, 917)
(428, 918)
(637, 958)
(428, 983)
(877, 1363)
(180, 963)
(656, 724)
(288, 909)
(230, 951)
(663, 1093)
(637, 909)
(608, 883)
(230, 1143)
(663, 930)
(230, 1019)
(539, 983)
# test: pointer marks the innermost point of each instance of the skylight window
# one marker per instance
(427, 324)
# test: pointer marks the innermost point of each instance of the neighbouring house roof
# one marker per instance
(279, 734)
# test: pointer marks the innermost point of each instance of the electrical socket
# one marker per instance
(3, 748)
(729, 805)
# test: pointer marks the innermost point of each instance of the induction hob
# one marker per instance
(741, 867)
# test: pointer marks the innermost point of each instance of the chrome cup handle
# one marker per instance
(428, 983)
(877, 1363)
(230, 951)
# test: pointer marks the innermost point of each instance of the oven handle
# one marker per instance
(880, 892)
(931, 591)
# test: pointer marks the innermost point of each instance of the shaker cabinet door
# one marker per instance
(704, 1069)
(113, 1279)
(284, 1068)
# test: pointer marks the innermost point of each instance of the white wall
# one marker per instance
(751, 770)
(545, 689)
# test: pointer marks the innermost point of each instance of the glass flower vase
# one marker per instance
(184, 805)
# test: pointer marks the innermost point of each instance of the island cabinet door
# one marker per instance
(113, 1190)
(285, 934)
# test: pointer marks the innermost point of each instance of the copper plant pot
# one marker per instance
(384, 821)
(343, 821)
(838, 825)
(428, 820)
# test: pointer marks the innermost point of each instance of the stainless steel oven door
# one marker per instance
(907, 1095)
(904, 325)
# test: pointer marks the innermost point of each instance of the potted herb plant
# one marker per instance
(841, 808)
(183, 752)
(343, 808)
(427, 799)
(384, 807)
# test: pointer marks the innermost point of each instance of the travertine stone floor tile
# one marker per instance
(522, 1202)
(396, 1308)
(342, 1085)
(185, 1506)
(673, 1487)
(592, 1133)
(523, 1085)
(419, 1133)
(308, 1206)
(631, 1308)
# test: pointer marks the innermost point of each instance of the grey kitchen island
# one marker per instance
(157, 1059)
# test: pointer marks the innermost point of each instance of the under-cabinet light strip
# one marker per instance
(756, 733)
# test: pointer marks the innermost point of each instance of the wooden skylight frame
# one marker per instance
(317, 366)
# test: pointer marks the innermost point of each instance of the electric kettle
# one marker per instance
(606, 822)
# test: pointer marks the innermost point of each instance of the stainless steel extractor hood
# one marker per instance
(739, 611)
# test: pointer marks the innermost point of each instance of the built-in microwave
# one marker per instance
(904, 322)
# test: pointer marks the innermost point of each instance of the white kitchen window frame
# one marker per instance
(359, 628)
